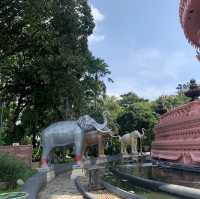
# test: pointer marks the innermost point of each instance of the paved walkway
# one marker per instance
(64, 188)
(60, 188)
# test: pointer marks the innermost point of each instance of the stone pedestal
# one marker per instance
(177, 136)
(95, 173)
(77, 172)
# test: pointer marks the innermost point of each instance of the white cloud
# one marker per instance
(98, 18)
(96, 38)
(96, 13)
(153, 72)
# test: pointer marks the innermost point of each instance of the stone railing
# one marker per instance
(23, 152)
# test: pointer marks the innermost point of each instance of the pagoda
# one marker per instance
(177, 135)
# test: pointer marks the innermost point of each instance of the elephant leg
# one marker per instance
(132, 146)
(136, 145)
(79, 148)
(122, 147)
(141, 146)
(100, 146)
(45, 156)
(125, 149)
(84, 151)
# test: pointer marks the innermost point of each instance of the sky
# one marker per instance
(144, 46)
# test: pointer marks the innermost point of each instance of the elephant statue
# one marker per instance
(130, 139)
(65, 133)
(93, 139)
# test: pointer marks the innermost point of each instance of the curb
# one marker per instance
(119, 192)
(82, 190)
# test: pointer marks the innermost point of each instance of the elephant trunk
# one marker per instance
(143, 131)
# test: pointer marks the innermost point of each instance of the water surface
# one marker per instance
(167, 175)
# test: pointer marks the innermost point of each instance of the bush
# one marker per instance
(36, 154)
(12, 169)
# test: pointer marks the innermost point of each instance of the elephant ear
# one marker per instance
(85, 123)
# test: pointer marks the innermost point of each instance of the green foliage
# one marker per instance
(129, 98)
(193, 91)
(62, 155)
(46, 69)
(113, 146)
(12, 169)
(170, 102)
(2, 142)
(137, 116)
(36, 154)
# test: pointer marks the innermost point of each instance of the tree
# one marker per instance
(139, 115)
(129, 98)
(168, 103)
(45, 64)
(193, 90)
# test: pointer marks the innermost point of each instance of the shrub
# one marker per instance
(36, 154)
(12, 169)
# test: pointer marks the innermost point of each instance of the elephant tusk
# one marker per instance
(106, 132)
(115, 136)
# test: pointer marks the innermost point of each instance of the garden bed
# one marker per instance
(13, 173)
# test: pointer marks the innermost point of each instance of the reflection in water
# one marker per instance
(165, 174)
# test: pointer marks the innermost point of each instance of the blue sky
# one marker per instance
(144, 46)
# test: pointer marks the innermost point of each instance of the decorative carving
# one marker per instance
(178, 139)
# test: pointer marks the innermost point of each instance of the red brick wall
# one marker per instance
(23, 152)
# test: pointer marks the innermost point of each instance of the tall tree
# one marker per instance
(45, 63)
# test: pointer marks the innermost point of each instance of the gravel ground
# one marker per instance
(103, 194)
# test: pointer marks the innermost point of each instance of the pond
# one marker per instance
(167, 175)
(125, 185)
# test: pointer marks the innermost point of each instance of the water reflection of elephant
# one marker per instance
(66, 133)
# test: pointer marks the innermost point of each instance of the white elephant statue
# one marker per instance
(131, 139)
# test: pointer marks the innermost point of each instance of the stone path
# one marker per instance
(64, 188)
(60, 188)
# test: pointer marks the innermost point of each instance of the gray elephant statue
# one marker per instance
(67, 133)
